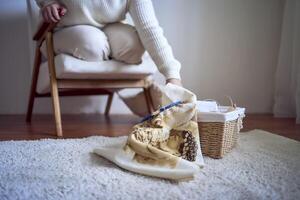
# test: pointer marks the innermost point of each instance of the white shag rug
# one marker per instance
(263, 166)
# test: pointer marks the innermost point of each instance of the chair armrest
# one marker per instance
(43, 29)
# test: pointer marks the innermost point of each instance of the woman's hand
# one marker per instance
(174, 81)
(52, 13)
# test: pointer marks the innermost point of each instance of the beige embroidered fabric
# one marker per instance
(170, 134)
(168, 144)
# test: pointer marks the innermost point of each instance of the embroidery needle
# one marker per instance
(148, 117)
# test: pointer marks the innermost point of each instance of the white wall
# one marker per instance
(14, 59)
(227, 47)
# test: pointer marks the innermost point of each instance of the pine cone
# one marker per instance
(189, 147)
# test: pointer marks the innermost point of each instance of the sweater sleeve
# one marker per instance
(43, 3)
(151, 35)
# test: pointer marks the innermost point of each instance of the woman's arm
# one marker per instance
(151, 35)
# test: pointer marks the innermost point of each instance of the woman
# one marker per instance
(92, 30)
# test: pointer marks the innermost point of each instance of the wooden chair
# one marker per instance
(74, 87)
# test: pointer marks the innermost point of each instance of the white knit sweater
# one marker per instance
(101, 12)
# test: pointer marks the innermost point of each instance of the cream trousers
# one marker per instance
(117, 41)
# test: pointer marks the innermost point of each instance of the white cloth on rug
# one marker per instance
(167, 145)
(116, 154)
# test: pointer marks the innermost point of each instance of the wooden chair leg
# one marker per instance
(56, 108)
(148, 99)
(35, 74)
(108, 104)
(53, 84)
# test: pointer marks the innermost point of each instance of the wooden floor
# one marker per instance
(14, 127)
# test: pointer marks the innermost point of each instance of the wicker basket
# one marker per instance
(218, 137)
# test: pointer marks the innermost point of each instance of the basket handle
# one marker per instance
(233, 105)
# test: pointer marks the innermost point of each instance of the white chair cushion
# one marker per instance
(69, 67)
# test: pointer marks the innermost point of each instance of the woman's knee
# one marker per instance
(82, 41)
(125, 43)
